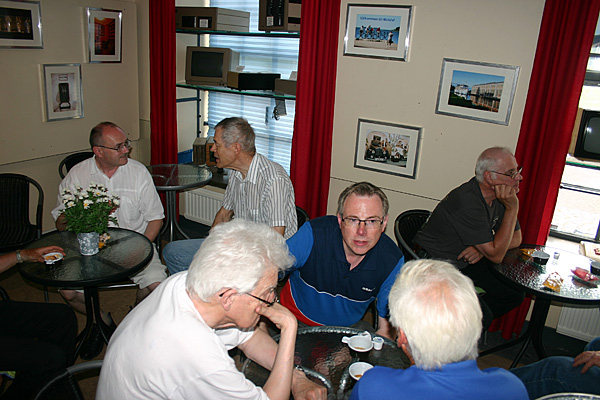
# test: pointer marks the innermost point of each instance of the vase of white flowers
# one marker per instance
(88, 212)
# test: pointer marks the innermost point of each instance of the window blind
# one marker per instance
(258, 54)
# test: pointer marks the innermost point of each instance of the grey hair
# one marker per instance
(237, 130)
(488, 160)
(436, 307)
(363, 189)
(236, 255)
(96, 133)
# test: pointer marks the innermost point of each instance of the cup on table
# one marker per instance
(360, 345)
(377, 343)
(357, 369)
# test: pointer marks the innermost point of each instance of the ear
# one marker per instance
(339, 217)
(237, 148)
(385, 221)
(96, 150)
(226, 297)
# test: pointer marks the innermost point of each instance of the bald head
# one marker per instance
(491, 160)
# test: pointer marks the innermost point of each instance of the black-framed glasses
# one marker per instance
(268, 303)
(371, 223)
(124, 145)
(512, 175)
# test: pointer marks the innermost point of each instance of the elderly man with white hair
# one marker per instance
(438, 318)
(174, 345)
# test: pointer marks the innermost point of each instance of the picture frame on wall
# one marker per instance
(104, 35)
(63, 93)
(20, 24)
(477, 90)
(378, 31)
(388, 148)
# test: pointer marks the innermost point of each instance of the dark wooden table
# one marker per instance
(170, 178)
(325, 359)
(521, 272)
(126, 253)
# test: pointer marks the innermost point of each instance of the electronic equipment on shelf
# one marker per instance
(212, 18)
(251, 80)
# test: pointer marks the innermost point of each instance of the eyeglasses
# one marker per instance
(125, 145)
(512, 175)
(370, 223)
(268, 303)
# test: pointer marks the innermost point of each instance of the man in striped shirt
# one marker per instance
(259, 190)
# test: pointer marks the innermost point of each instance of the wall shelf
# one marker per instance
(291, 35)
(256, 93)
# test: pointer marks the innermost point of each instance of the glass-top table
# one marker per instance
(519, 270)
(171, 178)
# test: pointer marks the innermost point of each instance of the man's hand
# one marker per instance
(279, 315)
(507, 195)
(589, 359)
(61, 222)
(305, 389)
(38, 254)
(470, 255)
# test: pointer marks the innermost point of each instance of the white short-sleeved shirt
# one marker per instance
(139, 201)
(164, 349)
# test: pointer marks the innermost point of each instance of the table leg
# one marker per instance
(533, 334)
(89, 321)
(171, 225)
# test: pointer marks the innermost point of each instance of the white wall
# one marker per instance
(30, 145)
(406, 92)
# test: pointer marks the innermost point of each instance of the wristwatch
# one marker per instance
(19, 258)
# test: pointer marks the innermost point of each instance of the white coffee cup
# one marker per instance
(357, 369)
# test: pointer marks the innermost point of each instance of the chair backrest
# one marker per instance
(64, 385)
(72, 160)
(17, 228)
(302, 216)
(406, 227)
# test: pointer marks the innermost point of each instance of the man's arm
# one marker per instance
(8, 260)
(153, 229)
(386, 329)
(279, 358)
(503, 239)
(279, 229)
(589, 359)
(61, 222)
(223, 215)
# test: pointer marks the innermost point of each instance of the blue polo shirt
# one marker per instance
(460, 381)
(322, 290)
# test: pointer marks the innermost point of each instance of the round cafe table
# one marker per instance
(126, 253)
(325, 359)
(170, 178)
(518, 270)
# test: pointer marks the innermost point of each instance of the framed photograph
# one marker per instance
(388, 148)
(377, 31)
(64, 99)
(20, 24)
(104, 35)
(476, 90)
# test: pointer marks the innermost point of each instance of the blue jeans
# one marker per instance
(178, 255)
(557, 375)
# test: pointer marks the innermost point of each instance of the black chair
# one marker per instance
(17, 228)
(64, 385)
(406, 227)
(302, 216)
(72, 160)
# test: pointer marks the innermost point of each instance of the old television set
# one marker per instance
(587, 145)
(209, 65)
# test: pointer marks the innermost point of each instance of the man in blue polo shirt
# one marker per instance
(344, 263)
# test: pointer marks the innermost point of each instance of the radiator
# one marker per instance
(201, 205)
(580, 323)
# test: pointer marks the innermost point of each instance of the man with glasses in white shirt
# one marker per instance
(140, 210)
(476, 224)
(344, 263)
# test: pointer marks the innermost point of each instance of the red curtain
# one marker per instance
(564, 44)
(163, 109)
(315, 98)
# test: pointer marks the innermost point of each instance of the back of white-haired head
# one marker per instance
(489, 159)
(437, 308)
(236, 255)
